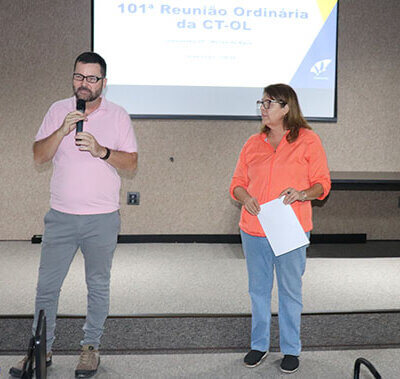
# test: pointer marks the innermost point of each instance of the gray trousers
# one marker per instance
(96, 236)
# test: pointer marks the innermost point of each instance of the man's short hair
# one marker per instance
(90, 57)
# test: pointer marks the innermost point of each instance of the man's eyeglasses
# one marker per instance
(90, 78)
(266, 104)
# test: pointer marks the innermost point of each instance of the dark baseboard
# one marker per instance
(338, 238)
(365, 186)
(220, 238)
(179, 238)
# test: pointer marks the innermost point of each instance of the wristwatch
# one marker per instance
(107, 154)
(304, 195)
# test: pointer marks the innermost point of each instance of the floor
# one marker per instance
(199, 279)
(313, 364)
(208, 279)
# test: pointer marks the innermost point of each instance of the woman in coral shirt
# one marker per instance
(285, 160)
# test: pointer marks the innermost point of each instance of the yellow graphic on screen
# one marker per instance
(325, 7)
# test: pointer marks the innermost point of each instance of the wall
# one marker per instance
(40, 41)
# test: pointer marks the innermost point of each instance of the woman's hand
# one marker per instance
(251, 205)
(292, 195)
(249, 202)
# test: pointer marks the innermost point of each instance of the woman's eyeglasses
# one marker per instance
(266, 104)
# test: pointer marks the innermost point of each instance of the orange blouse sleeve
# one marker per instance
(318, 170)
(240, 178)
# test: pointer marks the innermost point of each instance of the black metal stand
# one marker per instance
(37, 351)
(368, 364)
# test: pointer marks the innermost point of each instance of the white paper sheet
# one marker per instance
(281, 226)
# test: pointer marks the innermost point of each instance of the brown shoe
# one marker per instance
(16, 371)
(89, 361)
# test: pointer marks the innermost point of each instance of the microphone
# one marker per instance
(80, 106)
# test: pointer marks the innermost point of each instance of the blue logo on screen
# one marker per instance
(319, 68)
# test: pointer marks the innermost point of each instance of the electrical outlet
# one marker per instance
(133, 198)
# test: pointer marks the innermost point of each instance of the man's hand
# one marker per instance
(70, 121)
(87, 142)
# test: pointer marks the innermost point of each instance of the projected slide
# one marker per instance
(212, 58)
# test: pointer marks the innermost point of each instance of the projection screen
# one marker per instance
(211, 59)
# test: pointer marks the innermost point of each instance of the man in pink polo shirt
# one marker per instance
(84, 200)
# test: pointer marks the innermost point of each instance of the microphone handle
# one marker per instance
(79, 126)
(80, 106)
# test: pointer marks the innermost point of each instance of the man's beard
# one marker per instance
(88, 95)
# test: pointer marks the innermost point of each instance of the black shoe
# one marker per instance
(254, 357)
(290, 364)
(16, 370)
